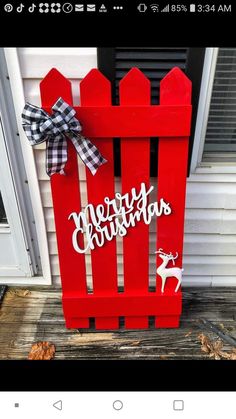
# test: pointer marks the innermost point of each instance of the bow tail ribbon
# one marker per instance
(56, 157)
(88, 153)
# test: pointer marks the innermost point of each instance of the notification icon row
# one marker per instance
(59, 7)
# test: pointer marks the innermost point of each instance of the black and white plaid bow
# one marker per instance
(39, 126)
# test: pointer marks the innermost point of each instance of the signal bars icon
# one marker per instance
(166, 8)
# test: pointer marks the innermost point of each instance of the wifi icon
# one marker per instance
(155, 7)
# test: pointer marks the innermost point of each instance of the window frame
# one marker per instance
(197, 165)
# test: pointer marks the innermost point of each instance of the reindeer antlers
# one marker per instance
(160, 251)
(163, 253)
(170, 256)
(174, 257)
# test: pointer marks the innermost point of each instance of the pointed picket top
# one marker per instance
(175, 88)
(95, 87)
(135, 88)
(53, 86)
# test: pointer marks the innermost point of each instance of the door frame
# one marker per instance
(28, 178)
(22, 265)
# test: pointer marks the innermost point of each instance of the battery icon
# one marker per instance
(192, 7)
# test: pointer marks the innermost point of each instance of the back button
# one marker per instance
(58, 405)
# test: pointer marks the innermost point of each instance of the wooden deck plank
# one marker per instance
(37, 315)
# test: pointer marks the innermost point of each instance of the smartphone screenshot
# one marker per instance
(117, 209)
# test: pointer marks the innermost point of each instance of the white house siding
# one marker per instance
(210, 226)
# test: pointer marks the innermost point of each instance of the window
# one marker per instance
(220, 140)
(155, 62)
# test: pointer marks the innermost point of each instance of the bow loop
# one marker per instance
(39, 126)
(63, 109)
(32, 113)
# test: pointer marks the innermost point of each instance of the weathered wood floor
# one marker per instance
(35, 314)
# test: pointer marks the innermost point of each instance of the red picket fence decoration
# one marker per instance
(135, 121)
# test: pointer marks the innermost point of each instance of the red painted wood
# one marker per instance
(95, 89)
(168, 321)
(66, 198)
(124, 304)
(135, 169)
(134, 121)
(175, 89)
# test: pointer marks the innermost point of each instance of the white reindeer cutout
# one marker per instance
(167, 272)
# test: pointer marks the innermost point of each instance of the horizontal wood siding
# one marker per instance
(210, 226)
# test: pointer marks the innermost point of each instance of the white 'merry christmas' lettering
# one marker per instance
(104, 222)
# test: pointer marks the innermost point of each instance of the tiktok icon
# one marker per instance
(32, 8)
(20, 8)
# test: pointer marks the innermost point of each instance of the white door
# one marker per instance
(14, 256)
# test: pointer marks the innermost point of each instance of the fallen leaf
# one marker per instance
(42, 351)
(211, 348)
(229, 355)
(19, 292)
(206, 344)
(26, 292)
(214, 348)
(188, 334)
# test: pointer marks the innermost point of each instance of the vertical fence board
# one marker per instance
(135, 163)
(175, 89)
(95, 90)
(66, 199)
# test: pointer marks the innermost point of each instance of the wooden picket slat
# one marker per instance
(95, 89)
(175, 89)
(135, 168)
(66, 199)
